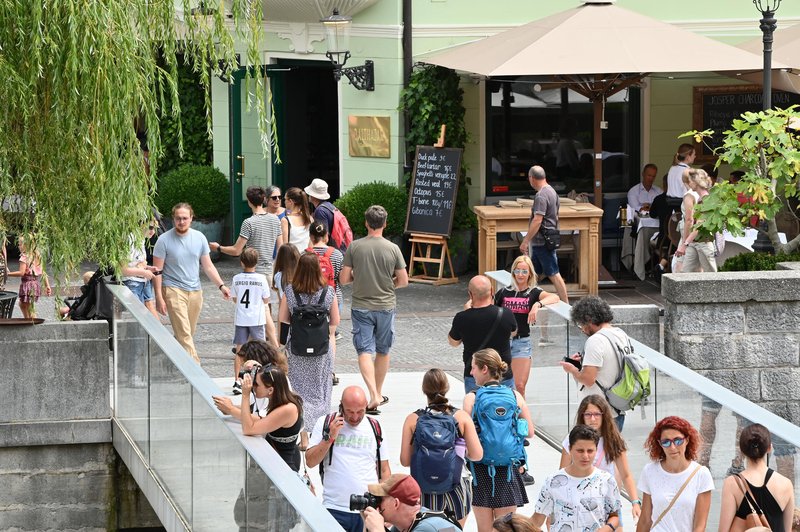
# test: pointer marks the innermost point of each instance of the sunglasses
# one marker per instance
(275, 197)
(518, 271)
(151, 227)
(677, 442)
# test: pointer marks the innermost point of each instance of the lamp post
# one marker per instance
(337, 38)
(768, 25)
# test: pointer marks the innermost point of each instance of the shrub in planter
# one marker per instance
(204, 187)
(358, 199)
(753, 262)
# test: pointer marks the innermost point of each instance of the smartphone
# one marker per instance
(576, 363)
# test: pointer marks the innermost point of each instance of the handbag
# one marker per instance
(756, 520)
(675, 498)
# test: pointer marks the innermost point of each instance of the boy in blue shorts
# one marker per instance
(250, 292)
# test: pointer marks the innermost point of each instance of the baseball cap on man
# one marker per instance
(318, 189)
(400, 486)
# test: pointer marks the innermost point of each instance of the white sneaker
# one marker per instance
(544, 342)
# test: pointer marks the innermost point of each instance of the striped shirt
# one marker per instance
(261, 232)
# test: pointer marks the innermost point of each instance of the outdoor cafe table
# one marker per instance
(583, 217)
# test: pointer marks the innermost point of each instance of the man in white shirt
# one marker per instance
(640, 197)
(351, 455)
(600, 364)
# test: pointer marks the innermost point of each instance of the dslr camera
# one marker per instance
(253, 371)
(359, 503)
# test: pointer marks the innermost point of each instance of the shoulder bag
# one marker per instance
(675, 498)
(756, 521)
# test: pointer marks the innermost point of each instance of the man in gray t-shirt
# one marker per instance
(178, 254)
(376, 268)
(544, 218)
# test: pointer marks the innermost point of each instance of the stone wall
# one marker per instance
(641, 322)
(740, 329)
(58, 468)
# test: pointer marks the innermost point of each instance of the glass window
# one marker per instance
(533, 123)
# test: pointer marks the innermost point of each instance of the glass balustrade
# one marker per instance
(213, 476)
(717, 413)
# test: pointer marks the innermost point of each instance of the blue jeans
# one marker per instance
(545, 262)
(620, 421)
(470, 385)
(143, 291)
(350, 521)
(521, 347)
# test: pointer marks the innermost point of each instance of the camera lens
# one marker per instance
(358, 503)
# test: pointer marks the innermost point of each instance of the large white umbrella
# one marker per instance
(599, 49)
(785, 49)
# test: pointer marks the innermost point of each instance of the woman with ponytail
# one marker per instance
(773, 493)
(297, 220)
(457, 501)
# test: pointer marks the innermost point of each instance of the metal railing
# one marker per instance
(194, 465)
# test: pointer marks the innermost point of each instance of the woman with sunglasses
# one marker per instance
(525, 300)
(274, 206)
(676, 490)
(298, 219)
(612, 453)
(284, 420)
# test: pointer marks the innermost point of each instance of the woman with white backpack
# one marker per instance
(437, 463)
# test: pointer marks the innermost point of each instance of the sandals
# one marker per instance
(373, 411)
(335, 379)
(385, 400)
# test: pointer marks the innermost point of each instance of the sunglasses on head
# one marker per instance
(677, 442)
(265, 371)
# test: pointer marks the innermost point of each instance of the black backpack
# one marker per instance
(309, 333)
(95, 301)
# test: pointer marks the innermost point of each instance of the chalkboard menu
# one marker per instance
(434, 185)
(717, 107)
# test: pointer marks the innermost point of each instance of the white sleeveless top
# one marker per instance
(298, 235)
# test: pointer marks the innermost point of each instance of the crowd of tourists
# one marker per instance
(463, 460)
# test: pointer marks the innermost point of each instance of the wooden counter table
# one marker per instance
(584, 217)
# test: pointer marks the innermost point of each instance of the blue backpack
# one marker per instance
(500, 429)
(434, 463)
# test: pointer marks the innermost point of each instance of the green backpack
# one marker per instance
(633, 383)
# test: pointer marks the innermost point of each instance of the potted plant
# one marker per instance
(205, 188)
(434, 97)
(358, 199)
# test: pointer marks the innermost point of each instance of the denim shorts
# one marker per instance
(143, 291)
(545, 262)
(243, 333)
(373, 330)
(521, 347)
(470, 385)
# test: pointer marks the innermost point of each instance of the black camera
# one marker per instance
(359, 503)
(253, 371)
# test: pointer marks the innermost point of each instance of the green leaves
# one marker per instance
(204, 187)
(765, 146)
(79, 79)
(358, 199)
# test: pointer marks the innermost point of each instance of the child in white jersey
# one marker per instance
(250, 292)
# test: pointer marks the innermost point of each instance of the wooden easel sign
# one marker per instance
(431, 206)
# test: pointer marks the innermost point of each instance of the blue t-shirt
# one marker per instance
(181, 256)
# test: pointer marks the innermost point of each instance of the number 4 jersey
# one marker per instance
(250, 290)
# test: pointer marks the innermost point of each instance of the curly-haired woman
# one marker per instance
(676, 490)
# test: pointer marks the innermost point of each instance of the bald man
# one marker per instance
(354, 463)
(480, 325)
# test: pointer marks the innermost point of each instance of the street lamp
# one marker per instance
(337, 37)
(768, 25)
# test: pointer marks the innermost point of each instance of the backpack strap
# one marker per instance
(618, 350)
(322, 295)
(326, 433)
(493, 329)
(446, 515)
(378, 432)
(328, 253)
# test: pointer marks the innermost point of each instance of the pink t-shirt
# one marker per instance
(36, 267)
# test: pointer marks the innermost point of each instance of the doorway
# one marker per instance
(307, 113)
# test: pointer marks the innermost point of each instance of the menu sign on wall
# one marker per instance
(434, 186)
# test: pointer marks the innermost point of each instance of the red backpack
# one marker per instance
(325, 264)
(341, 234)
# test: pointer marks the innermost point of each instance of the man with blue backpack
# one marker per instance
(503, 422)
